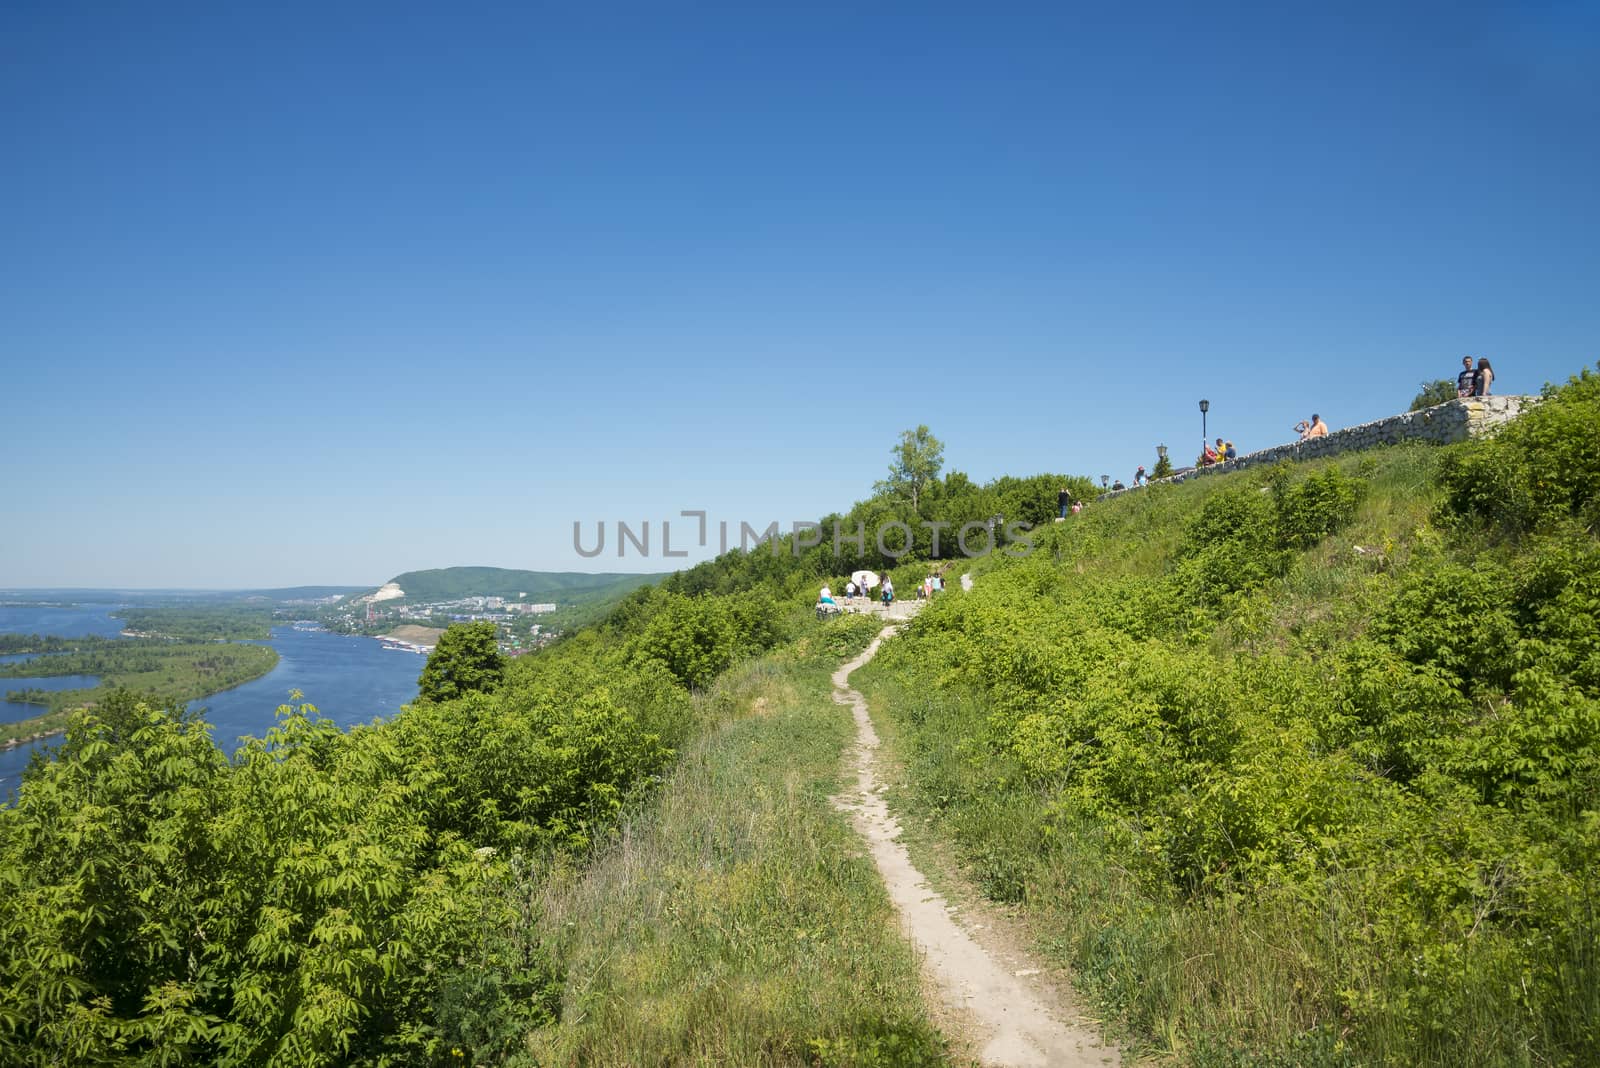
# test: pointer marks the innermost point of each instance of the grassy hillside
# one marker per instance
(1295, 766)
(1292, 767)
(435, 889)
(452, 583)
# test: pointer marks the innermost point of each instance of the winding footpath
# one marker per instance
(1007, 1016)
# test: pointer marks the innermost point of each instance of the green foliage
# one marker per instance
(918, 458)
(1260, 779)
(1430, 393)
(1316, 506)
(201, 622)
(326, 897)
(1539, 471)
(466, 660)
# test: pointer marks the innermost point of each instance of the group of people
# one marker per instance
(853, 590)
(1066, 505)
(1314, 429)
(931, 585)
(1474, 381)
(1221, 453)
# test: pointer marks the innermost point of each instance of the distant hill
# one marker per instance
(561, 587)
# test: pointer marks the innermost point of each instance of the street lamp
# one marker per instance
(1161, 450)
(1205, 406)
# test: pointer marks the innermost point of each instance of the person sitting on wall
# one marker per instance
(1139, 477)
(827, 596)
(1117, 485)
(1208, 457)
(1229, 452)
(1317, 429)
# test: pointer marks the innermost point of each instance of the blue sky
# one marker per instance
(321, 293)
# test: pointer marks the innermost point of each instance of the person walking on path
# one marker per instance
(1465, 380)
(888, 592)
(1482, 378)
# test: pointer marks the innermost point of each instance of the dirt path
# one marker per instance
(1009, 1020)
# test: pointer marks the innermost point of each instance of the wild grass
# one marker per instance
(1236, 980)
(736, 918)
(1278, 971)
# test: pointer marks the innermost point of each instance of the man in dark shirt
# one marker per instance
(1464, 379)
(1063, 501)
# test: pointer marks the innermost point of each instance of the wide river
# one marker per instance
(349, 679)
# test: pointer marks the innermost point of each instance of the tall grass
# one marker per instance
(1275, 972)
(736, 919)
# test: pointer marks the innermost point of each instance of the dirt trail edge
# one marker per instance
(1010, 1020)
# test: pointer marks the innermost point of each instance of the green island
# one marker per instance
(14, 644)
(201, 622)
(169, 672)
(1294, 765)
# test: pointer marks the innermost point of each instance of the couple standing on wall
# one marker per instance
(1474, 382)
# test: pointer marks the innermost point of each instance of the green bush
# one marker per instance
(1542, 468)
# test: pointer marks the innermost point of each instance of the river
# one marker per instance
(349, 679)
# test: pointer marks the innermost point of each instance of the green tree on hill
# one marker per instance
(466, 660)
(1436, 392)
(918, 458)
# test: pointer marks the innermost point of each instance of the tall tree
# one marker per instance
(466, 660)
(1436, 392)
(917, 459)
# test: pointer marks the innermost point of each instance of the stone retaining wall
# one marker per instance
(1455, 420)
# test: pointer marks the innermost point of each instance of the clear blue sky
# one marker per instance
(306, 293)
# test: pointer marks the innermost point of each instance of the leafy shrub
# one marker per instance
(1455, 617)
(694, 637)
(1430, 393)
(1314, 507)
(1540, 469)
(466, 660)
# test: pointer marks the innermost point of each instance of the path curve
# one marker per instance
(1012, 1023)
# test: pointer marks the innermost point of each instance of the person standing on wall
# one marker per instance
(1466, 379)
(1482, 378)
(1063, 501)
(1318, 428)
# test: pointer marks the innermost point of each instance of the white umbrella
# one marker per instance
(864, 579)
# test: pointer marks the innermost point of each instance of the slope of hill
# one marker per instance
(1295, 766)
(1298, 765)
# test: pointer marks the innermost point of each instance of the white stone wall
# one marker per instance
(1454, 420)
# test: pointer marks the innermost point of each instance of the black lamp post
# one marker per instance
(1205, 406)
(1161, 450)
